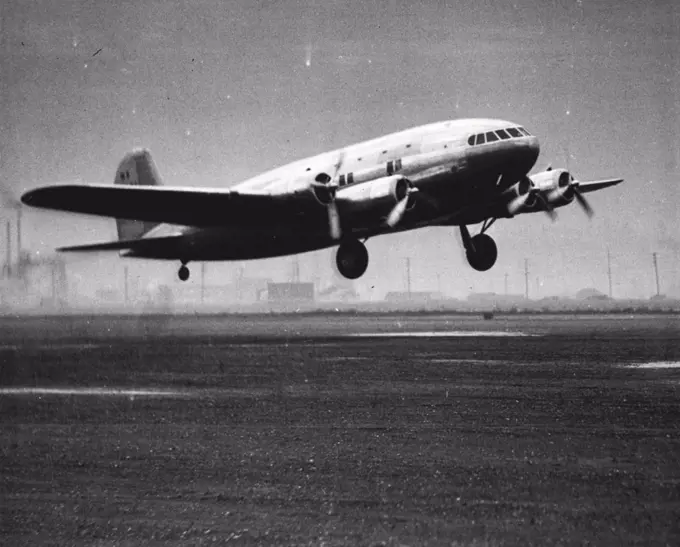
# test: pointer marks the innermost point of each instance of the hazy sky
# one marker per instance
(220, 91)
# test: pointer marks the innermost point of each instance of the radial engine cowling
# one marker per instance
(382, 192)
(555, 185)
(520, 196)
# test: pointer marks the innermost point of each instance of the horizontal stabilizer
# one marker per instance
(591, 186)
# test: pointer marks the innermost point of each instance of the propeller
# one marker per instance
(326, 187)
(572, 189)
(529, 198)
(583, 202)
(399, 209)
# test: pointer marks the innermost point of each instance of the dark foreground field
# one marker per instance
(287, 431)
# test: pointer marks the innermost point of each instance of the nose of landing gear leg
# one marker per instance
(183, 273)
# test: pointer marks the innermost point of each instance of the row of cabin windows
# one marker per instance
(390, 168)
(500, 134)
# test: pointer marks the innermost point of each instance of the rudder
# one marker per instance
(137, 168)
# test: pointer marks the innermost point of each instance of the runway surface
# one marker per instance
(340, 430)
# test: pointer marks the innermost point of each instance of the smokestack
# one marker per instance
(526, 278)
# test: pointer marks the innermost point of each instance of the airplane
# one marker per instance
(451, 173)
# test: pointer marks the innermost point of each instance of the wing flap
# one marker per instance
(173, 205)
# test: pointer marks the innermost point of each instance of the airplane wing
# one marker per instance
(186, 206)
(590, 186)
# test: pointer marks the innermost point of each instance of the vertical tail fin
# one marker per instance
(136, 169)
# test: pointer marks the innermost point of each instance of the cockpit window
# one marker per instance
(514, 132)
(480, 139)
(502, 134)
(525, 131)
(491, 136)
(471, 140)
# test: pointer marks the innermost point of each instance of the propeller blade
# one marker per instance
(338, 165)
(549, 209)
(583, 203)
(398, 212)
(334, 221)
(516, 204)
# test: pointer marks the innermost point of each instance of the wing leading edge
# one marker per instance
(593, 185)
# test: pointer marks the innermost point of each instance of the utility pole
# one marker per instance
(125, 270)
(526, 278)
(408, 277)
(9, 249)
(506, 284)
(296, 270)
(656, 274)
(19, 234)
(609, 272)
(202, 282)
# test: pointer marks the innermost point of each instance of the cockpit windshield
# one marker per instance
(493, 136)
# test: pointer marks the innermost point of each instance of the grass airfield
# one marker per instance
(340, 430)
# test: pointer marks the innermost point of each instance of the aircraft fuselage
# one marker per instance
(442, 160)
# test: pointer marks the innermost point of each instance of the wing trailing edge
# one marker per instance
(123, 245)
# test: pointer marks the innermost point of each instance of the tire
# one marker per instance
(351, 259)
(485, 254)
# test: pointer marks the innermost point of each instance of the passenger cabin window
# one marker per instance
(502, 134)
(491, 136)
(480, 139)
(514, 132)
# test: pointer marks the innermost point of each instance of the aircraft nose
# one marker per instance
(532, 150)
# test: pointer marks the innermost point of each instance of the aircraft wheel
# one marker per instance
(351, 259)
(183, 273)
(485, 253)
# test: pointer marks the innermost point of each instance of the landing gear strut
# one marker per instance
(183, 272)
(351, 258)
(480, 250)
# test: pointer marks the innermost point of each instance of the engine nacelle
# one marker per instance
(383, 191)
(521, 189)
(555, 186)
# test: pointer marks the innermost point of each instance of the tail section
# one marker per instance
(136, 169)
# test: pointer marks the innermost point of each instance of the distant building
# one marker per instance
(290, 292)
(413, 296)
(591, 294)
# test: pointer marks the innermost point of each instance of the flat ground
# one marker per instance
(291, 430)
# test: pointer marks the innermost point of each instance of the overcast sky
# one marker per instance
(220, 91)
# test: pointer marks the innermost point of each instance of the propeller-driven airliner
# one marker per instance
(452, 173)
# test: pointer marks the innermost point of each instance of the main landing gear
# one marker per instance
(351, 258)
(481, 250)
(183, 272)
